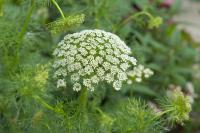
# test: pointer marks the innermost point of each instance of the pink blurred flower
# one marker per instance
(167, 3)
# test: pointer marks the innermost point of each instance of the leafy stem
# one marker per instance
(59, 9)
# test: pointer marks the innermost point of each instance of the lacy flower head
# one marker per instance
(138, 73)
(90, 57)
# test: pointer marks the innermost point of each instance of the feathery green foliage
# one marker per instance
(135, 116)
(66, 24)
(29, 99)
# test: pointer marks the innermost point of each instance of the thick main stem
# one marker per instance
(83, 99)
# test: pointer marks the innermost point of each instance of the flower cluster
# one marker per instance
(155, 22)
(41, 76)
(92, 56)
(138, 73)
(176, 105)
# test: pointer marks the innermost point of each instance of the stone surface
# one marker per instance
(189, 18)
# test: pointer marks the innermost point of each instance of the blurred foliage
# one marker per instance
(29, 99)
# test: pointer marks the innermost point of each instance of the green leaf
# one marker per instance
(144, 90)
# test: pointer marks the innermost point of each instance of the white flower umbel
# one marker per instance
(92, 56)
(138, 73)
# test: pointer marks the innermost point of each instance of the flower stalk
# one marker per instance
(26, 22)
(24, 28)
(83, 100)
(159, 115)
(40, 100)
(153, 21)
(1, 7)
(59, 9)
(129, 18)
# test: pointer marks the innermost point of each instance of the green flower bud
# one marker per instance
(155, 22)
(176, 107)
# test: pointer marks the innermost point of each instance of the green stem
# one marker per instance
(59, 9)
(23, 30)
(26, 22)
(162, 113)
(83, 99)
(40, 100)
(46, 105)
(1, 7)
(129, 18)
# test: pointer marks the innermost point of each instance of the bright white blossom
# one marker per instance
(61, 83)
(138, 73)
(90, 57)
